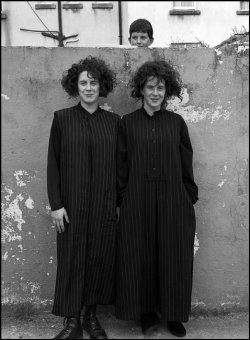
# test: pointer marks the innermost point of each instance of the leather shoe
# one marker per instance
(176, 328)
(72, 329)
(91, 324)
(149, 322)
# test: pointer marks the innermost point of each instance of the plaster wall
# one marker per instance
(215, 106)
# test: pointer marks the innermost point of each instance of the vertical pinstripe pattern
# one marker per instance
(81, 178)
(156, 192)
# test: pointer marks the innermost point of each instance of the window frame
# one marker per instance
(102, 5)
(244, 10)
(45, 5)
(72, 5)
(185, 8)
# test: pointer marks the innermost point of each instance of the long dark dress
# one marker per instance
(81, 178)
(156, 192)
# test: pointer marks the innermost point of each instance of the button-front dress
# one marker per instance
(82, 179)
(156, 193)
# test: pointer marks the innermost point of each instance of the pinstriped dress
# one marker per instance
(81, 177)
(156, 193)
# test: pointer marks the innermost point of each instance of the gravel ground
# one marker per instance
(32, 324)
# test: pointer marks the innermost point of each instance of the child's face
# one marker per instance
(140, 39)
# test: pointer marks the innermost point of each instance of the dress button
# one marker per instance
(153, 130)
(154, 169)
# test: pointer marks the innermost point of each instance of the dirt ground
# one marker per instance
(28, 323)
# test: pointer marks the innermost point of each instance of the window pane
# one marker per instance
(185, 3)
(244, 5)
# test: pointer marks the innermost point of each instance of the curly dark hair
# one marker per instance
(96, 68)
(162, 70)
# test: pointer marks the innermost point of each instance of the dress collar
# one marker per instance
(84, 111)
(156, 113)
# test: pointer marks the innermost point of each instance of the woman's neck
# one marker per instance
(90, 108)
(149, 110)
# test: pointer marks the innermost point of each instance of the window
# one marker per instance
(244, 8)
(72, 5)
(244, 5)
(184, 8)
(102, 5)
(185, 4)
(45, 5)
(3, 15)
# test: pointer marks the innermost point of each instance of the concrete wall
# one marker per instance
(100, 27)
(215, 107)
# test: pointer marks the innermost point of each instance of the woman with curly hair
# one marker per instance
(81, 183)
(156, 193)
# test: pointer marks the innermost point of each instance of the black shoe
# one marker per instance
(91, 324)
(149, 322)
(72, 329)
(176, 328)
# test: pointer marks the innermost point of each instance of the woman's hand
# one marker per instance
(57, 219)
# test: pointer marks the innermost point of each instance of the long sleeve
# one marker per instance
(121, 162)
(186, 152)
(53, 166)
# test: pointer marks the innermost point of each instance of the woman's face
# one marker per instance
(88, 88)
(153, 93)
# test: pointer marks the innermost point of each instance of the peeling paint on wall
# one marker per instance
(194, 114)
(5, 96)
(5, 256)
(29, 203)
(242, 48)
(21, 181)
(48, 209)
(18, 173)
(222, 183)
(106, 107)
(9, 191)
(30, 293)
(196, 244)
(231, 300)
(21, 248)
(198, 303)
(12, 214)
(12, 207)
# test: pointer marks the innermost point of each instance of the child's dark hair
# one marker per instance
(162, 70)
(96, 69)
(141, 25)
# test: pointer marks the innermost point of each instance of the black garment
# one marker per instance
(156, 192)
(81, 178)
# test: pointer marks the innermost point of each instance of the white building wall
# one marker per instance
(100, 27)
(213, 25)
(94, 26)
